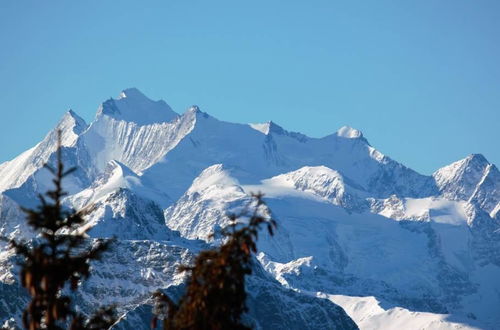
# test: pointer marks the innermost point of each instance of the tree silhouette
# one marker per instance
(58, 258)
(215, 297)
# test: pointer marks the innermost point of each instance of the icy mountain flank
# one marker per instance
(362, 241)
(17, 171)
(473, 179)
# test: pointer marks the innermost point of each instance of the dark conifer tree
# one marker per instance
(56, 259)
(215, 298)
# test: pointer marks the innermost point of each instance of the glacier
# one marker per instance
(362, 241)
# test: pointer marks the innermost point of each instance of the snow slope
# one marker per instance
(356, 229)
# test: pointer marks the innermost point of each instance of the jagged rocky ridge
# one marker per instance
(357, 229)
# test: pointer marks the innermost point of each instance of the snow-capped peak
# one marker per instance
(71, 126)
(193, 113)
(269, 127)
(261, 127)
(79, 121)
(349, 133)
(205, 204)
(472, 178)
(131, 93)
(15, 172)
(117, 176)
(335, 198)
(470, 169)
(133, 106)
(479, 158)
(194, 108)
(276, 129)
(321, 181)
(215, 175)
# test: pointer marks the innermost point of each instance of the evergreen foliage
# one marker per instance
(57, 259)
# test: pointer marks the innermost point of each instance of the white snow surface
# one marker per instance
(369, 315)
(262, 127)
(133, 106)
(394, 248)
(349, 132)
(15, 172)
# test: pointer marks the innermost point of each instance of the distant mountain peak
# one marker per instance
(194, 111)
(215, 175)
(390, 245)
(275, 128)
(472, 178)
(349, 132)
(73, 114)
(71, 125)
(477, 158)
(194, 108)
(269, 127)
(324, 182)
(469, 164)
(131, 93)
(133, 106)
(71, 117)
(261, 127)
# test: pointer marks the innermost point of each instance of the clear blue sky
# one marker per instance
(421, 79)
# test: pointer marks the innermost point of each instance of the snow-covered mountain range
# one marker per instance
(362, 239)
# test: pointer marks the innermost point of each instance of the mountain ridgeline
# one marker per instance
(362, 240)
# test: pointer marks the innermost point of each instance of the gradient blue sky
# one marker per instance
(421, 79)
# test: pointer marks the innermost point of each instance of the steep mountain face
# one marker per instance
(473, 179)
(326, 183)
(361, 238)
(134, 131)
(205, 203)
(15, 172)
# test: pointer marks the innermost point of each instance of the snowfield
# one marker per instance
(362, 241)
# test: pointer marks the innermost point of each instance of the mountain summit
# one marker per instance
(349, 132)
(133, 106)
(362, 240)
